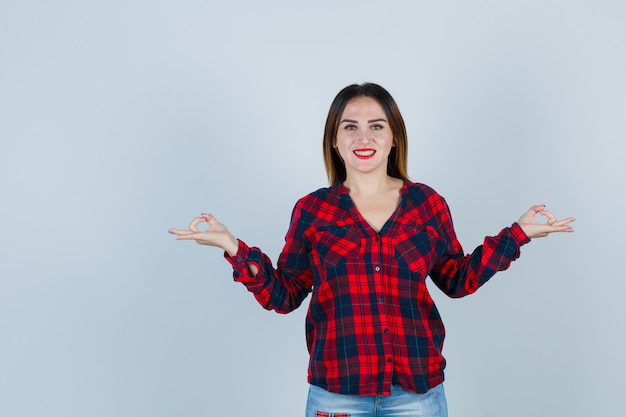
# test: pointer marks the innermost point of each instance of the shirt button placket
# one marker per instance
(377, 268)
(381, 300)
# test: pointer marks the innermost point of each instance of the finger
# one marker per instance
(548, 214)
(532, 211)
(210, 219)
(529, 215)
(193, 226)
(561, 228)
(564, 222)
(189, 236)
(178, 231)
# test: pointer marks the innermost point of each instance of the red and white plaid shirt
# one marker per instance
(371, 320)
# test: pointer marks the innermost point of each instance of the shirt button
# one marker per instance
(381, 299)
(386, 330)
(389, 360)
(239, 259)
(377, 269)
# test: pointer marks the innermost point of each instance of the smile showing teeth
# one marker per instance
(364, 153)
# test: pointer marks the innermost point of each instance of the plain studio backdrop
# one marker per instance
(121, 119)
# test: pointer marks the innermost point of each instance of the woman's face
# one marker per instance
(364, 138)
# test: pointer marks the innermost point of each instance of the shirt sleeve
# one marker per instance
(458, 274)
(282, 288)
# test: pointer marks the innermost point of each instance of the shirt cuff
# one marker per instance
(241, 261)
(518, 234)
(238, 261)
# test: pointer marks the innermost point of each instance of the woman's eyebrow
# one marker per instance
(369, 121)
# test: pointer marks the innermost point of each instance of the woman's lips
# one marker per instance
(364, 153)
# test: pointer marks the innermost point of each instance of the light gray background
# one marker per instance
(120, 119)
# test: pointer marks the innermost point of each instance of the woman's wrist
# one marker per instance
(232, 246)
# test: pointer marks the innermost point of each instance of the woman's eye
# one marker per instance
(350, 127)
(377, 127)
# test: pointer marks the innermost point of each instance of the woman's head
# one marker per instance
(397, 160)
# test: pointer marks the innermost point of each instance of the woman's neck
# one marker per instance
(368, 185)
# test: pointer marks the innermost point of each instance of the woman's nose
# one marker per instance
(363, 136)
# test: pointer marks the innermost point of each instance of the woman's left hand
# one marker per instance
(533, 228)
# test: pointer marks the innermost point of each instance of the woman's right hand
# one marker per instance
(216, 235)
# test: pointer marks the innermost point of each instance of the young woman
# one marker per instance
(363, 247)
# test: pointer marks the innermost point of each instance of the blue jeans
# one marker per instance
(322, 403)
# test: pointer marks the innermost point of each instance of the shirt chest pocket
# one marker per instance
(416, 248)
(337, 245)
